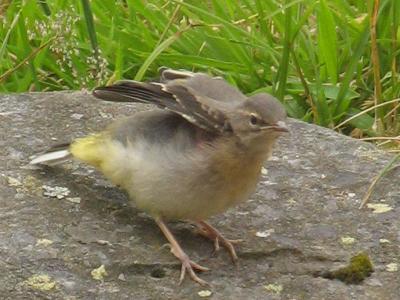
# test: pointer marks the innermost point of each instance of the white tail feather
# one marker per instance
(51, 158)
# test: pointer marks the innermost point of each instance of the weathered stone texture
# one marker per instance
(292, 226)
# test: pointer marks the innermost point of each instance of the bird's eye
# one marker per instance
(253, 120)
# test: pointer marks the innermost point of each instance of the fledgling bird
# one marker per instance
(196, 157)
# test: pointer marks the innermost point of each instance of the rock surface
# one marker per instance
(296, 224)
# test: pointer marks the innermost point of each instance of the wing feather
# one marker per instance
(199, 98)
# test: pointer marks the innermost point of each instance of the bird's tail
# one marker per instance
(54, 156)
(89, 149)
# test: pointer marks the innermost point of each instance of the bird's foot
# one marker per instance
(188, 266)
(214, 235)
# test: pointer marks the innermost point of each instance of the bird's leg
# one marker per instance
(214, 235)
(187, 265)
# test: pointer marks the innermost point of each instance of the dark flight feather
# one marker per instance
(184, 93)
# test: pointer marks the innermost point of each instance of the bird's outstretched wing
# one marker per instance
(199, 98)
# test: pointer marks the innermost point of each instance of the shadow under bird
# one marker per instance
(198, 155)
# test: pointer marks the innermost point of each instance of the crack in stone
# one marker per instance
(287, 252)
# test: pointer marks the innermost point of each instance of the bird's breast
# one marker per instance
(196, 184)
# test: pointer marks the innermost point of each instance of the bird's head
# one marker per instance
(258, 120)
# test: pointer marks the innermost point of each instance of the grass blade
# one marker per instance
(375, 181)
(280, 86)
(26, 59)
(90, 26)
(365, 111)
(379, 113)
(157, 51)
(327, 40)
(7, 36)
(45, 7)
(342, 103)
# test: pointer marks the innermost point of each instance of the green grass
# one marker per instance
(325, 60)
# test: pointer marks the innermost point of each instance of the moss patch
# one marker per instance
(359, 268)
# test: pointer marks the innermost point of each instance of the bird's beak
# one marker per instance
(280, 126)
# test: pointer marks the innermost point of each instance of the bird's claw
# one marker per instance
(212, 234)
(189, 266)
